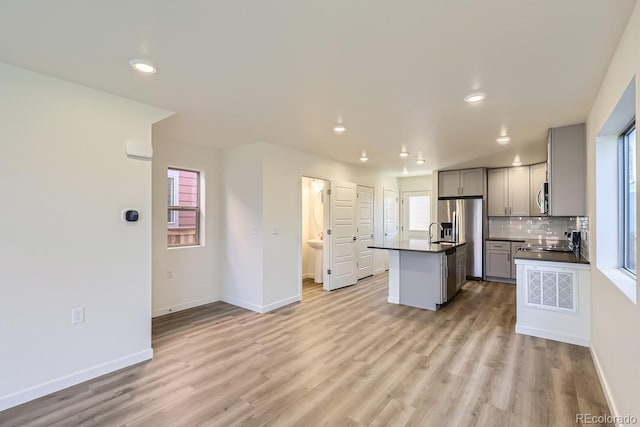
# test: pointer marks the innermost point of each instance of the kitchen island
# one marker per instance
(423, 274)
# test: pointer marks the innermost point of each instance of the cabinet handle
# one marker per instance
(462, 190)
(509, 256)
(505, 211)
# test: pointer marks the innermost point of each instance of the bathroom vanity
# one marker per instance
(424, 274)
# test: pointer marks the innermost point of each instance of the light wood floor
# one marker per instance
(341, 358)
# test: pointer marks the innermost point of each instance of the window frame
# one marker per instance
(175, 209)
(173, 174)
(624, 198)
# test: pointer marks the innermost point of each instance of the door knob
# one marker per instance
(354, 238)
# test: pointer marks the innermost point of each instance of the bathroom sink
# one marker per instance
(315, 243)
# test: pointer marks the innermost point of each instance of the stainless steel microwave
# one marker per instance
(542, 198)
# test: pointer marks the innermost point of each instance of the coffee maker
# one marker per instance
(574, 241)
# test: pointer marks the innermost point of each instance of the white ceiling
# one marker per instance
(284, 71)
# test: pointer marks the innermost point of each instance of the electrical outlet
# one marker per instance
(77, 315)
(170, 274)
(275, 230)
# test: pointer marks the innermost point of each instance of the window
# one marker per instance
(183, 208)
(419, 207)
(628, 189)
(174, 185)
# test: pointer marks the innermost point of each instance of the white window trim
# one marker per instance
(175, 175)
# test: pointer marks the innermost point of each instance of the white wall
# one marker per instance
(416, 183)
(242, 260)
(283, 168)
(615, 319)
(197, 277)
(64, 244)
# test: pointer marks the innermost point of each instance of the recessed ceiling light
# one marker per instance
(516, 161)
(504, 139)
(142, 66)
(339, 128)
(404, 154)
(474, 98)
(405, 171)
(364, 157)
(420, 161)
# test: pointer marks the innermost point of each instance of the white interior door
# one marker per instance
(343, 235)
(416, 214)
(365, 232)
(390, 217)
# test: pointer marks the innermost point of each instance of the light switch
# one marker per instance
(275, 230)
(254, 230)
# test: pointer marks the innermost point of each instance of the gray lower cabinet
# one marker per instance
(461, 266)
(514, 248)
(498, 259)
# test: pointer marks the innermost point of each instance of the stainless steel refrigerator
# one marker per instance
(465, 217)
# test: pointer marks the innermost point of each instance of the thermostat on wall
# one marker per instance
(130, 215)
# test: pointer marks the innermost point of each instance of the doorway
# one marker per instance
(314, 219)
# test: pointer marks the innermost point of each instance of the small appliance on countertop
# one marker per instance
(574, 238)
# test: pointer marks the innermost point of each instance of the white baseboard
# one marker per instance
(281, 303)
(67, 381)
(261, 308)
(393, 300)
(605, 385)
(550, 335)
(185, 306)
(243, 304)
(379, 271)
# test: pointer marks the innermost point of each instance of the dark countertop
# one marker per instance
(551, 256)
(419, 245)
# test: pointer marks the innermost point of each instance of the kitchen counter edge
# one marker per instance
(551, 257)
(418, 246)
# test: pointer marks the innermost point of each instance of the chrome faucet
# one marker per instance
(436, 223)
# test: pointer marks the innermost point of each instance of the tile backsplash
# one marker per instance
(548, 228)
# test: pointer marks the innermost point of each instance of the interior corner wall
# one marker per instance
(64, 243)
(283, 168)
(615, 319)
(196, 276)
(242, 261)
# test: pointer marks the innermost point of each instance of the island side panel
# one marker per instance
(394, 277)
(421, 279)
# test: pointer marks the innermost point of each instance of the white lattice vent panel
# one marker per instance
(550, 288)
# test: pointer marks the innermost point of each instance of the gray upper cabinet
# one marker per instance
(449, 184)
(472, 182)
(537, 178)
(497, 191)
(461, 183)
(508, 191)
(519, 191)
(567, 164)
